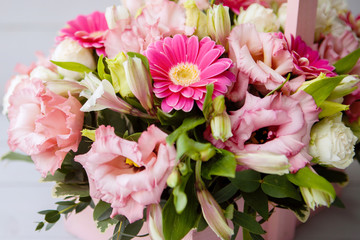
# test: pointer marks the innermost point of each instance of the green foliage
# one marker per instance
(14, 156)
(247, 222)
(347, 63)
(225, 193)
(176, 226)
(222, 164)
(330, 108)
(332, 175)
(64, 190)
(307, 178)
(320, 89)
(193, 149)
(207, 106)
(247, 180)
(279, 187)
(187, 125)
(258, 201)
(73, 66)
(101, 69)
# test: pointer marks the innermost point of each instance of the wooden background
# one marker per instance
(27, 26)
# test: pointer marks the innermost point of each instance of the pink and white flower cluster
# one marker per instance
(122, 81)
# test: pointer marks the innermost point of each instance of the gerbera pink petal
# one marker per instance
(189, 66)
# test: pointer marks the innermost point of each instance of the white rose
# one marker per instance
(332, 143)
(264, 19)
(282, 14)
(70, 51)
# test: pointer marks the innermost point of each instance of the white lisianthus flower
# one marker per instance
(264, 19)
(70, 51)
(339, 5)
(114, 14)
(332, 143)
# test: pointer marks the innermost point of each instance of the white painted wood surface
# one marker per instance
(30, 25)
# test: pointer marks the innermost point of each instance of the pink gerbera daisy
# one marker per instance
(307, 61)
(181, 68)
(89, 31)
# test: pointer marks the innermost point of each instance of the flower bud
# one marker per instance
(70, 51)
(264, 19)
(314, 198)
(219, 24)
(213, 214)
(114, 14)
(118, 76)
(265, 162)
(221, 127)
(219, 104)
(139, 81)
(345, 87)
(154, 222)
(332, 143)
(173, 179)
(44, 74)
(196, 19)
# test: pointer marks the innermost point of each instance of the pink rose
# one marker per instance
(127, 174)
(263, 57)
(44, 125)
(275, 124)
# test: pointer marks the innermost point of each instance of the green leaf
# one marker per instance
(330, 108)
(248, 222)
(101, 208)
(222, 164)
(279, 187)
(332, 175)
(188, 124)
(258, 201)
(73, 66)
(338, 203)
(256, 237)
(49, 226)
(16, 157)
(193, 149)
(132, 229)
(105, 224)
(57, 177)
(347, 63)
(144, 59)
(279, 87)
(247, 180)
(307, 178)
(167, 119)
(207, 106)
(225, 193)
(176, 226)
(61, 190)
(40, 226)
(320, 89)
(101, 69)
(52, 216)
(81, 206)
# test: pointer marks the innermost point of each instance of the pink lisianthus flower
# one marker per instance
(182, 67)
(334, 48)
(263, 57)
(44, 125)
(307, 61)
(127, 174)
(89, 31)
(353, 100)
(277, 124)
(158, 19)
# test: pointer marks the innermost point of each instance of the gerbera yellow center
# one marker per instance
(131, 163)
(184, 74)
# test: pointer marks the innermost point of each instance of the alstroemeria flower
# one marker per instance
(307, 61)
(277, 124)
(182, 67)
(44, 125)
(89, 31)
(129, 175)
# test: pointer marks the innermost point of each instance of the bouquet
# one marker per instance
(164, 113)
